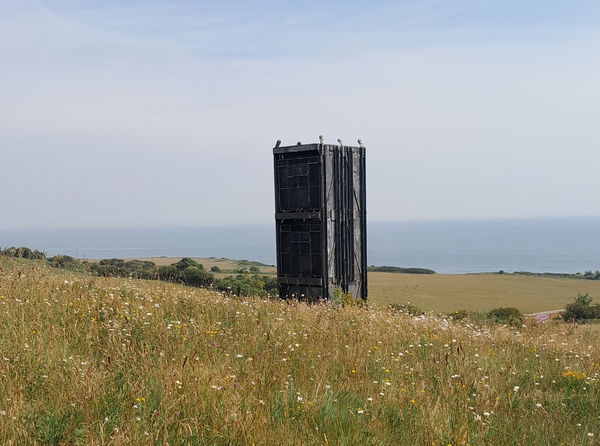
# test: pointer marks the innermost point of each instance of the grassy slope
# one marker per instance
(98, 361)
(477, 292)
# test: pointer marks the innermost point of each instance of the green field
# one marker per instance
(477, 292)
(118, 361)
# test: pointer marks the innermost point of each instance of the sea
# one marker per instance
(565, 245)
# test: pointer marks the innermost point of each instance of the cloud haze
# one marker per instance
(164, 113)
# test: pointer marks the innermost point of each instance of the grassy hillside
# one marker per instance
(477, 292)
(121, 361)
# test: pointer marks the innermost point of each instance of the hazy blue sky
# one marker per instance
(124, 113)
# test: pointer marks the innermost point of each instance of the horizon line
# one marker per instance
(228, 225)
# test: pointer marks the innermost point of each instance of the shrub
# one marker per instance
(241, 271)
(506, 315)
(398, 269)
(247, 285)
(582, 310)
(196, 277)
(270, 285)
(215, 269)
(138, 269)
(193, 274)
(578, 313)
(168, 273)
(66, 262)
(112, 262)
(583, 299)
(186, 262)
(23, 253)
(591, 275)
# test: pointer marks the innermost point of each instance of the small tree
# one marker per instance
(186, 262)
(583, 299)
(506, 315)
(581, 310)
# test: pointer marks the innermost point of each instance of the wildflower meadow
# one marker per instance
(99, 361)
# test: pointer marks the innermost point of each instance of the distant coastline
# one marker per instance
(567, 245)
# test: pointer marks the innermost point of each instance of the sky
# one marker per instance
(164, 113)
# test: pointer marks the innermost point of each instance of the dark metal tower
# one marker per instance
(320, 215)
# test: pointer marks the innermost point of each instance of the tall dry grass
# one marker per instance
(100, 361)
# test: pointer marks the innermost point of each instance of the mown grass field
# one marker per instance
(88, 360)
(477, 292)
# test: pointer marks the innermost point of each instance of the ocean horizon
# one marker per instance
(565, 245)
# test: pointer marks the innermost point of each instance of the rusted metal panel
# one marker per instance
(320, 214)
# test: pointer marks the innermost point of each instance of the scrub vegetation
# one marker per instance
(101, 360)
(399, 270)
(468, 294)
(582, 310)
(245, 280)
